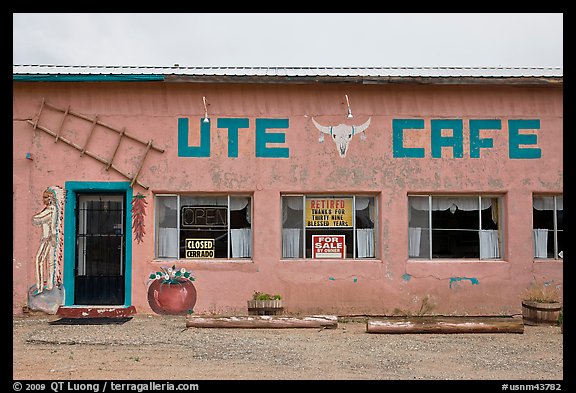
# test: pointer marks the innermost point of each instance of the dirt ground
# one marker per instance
(162, 348)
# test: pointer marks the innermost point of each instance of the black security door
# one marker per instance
(99, 270)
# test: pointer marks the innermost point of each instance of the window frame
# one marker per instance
(179, 229)
(353, 228)
(555, 229)
(501, 226)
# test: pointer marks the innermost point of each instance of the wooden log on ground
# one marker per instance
(264, 321)
(445, 325)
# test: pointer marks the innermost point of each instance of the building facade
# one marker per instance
(355, 191)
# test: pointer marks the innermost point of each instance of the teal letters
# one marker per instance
(233, 125)
(455, 141)
(184, 150)
(263, 138)
(398, 127)
(515, 139)
(476, 143)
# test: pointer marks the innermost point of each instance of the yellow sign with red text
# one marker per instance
(329, 212)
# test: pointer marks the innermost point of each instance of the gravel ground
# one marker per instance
(162, 347)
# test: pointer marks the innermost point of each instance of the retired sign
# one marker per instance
(329, 212)
(331, 246)
(200, 248)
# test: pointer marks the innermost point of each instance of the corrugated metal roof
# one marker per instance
(284, 74)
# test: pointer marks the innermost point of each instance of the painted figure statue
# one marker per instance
(49, 256)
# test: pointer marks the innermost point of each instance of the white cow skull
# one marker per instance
(341, 134)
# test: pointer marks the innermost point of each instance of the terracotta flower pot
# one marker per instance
(171, 298)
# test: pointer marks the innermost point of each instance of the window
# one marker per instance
(548, 226)
(454, 227)
(331, 226)
(203, 227)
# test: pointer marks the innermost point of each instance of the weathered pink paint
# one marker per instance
(150, 110)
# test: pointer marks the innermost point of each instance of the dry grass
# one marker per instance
(544, 292)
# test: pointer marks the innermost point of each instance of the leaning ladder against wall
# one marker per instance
(84, 149)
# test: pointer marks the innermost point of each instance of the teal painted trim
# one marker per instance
(453, 280)
(72, 189)
(87, 78)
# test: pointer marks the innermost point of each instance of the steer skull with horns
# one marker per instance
(341, 134)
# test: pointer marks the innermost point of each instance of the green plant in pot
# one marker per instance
(541, 304)
(265, 304)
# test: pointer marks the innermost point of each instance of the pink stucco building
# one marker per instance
(353, 191)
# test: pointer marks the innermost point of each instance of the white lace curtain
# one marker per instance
(547, 203)
(168, 242)
(414, 241)
(291, 242)
(241, 242)
(489, 245)
(445, 203)
(540, 243)
(365, 242)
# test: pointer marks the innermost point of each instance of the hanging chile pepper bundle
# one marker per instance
(138, 212)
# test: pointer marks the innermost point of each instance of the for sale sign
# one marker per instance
(328, 246)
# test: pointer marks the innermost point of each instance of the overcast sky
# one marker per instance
(315, 40)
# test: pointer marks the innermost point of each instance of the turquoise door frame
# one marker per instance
(72, 189)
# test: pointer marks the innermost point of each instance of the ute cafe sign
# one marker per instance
(522, 138)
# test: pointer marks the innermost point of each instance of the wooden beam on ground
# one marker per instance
(444, 325)
(264, 322)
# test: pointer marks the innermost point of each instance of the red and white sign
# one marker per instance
(328, 246)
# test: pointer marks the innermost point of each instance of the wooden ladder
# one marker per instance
(84, 149)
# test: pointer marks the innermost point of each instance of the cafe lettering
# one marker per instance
(522, 139)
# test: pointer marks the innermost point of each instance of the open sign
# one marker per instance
(328, 246)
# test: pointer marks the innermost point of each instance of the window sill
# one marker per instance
(207, 260)
(241, 265)
(456, 260)
(330, 260)
(547, 260)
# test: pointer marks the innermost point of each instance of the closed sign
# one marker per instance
(200, 248)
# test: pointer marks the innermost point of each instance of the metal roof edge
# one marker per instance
(293, 75)
(368, 80)
(85, 78)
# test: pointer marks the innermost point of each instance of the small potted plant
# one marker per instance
(172, 291)
(541, 304)
(265, 304)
